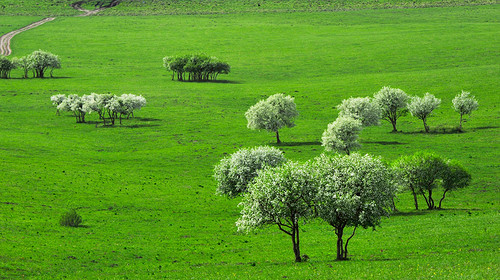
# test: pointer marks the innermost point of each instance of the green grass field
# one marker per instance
(145, 188)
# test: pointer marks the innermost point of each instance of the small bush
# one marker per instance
(71, 219)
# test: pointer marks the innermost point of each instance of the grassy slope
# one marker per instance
(145, 188)
(10, 23)
(158, 7)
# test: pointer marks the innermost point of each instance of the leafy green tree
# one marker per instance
(279, 196)
(272, 114)
(455, 177)
(235, 172)
(360, 108)
(464, 104)
(342, 135)
(6, 65)
(352, 191)
(421, 173)
(24, 63)
(422, 107)
(392, 102)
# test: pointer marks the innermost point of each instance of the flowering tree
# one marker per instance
(342, 135)
(421, 173)
(392, 102)
(352, 191)
(236, 171)
(40, 61)
(422, 107)
(360, 108)
(109, 107)
(74, 103)
(279, 196)
(272, 114)
(464, 104)
(56, 100)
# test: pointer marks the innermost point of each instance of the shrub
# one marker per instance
(71, 219)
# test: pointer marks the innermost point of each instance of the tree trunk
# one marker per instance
(278, 137)
(460, 127)
(442, 198)
(415, 199)
(394, 129)
(431, 201)
(340, 243)
(425, 125)
(296, 243)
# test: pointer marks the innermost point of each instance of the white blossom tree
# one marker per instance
(56, 100)
(464, 104)
(422, 107)
(272, 114)
(352, 191)
(342, 135)
(279, 196)
(73, 103)
(236, 171)
(360, 108)
(40, 61)
(392, 102)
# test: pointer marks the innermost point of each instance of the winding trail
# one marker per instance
(5, 39)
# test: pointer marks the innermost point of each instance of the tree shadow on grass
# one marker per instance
(485, 127)
(384, 142)
(214, 82)
(294, 144)
(409, 214)
(147, 119)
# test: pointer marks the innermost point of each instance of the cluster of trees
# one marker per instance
(108, 106)
(197, 67)
(38, 62)
(388, 104)
(349, 191)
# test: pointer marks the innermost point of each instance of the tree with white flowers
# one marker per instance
(272, 114)
(352, 191)
(392, 103)
(74, 103)
(56, 100)
(360, 108)
(235, 172)
(422, 107)
(279, 196)
(342, 135)
(464, 104)
(41, 61)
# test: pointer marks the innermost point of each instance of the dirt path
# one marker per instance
(5, 39)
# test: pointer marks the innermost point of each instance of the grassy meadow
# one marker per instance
(145, 188)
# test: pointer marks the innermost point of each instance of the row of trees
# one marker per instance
(388, 104)
(197, 67)
(108, 106)
(38, 62)
(349, 191)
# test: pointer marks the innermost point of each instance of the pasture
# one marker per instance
(145, 188)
